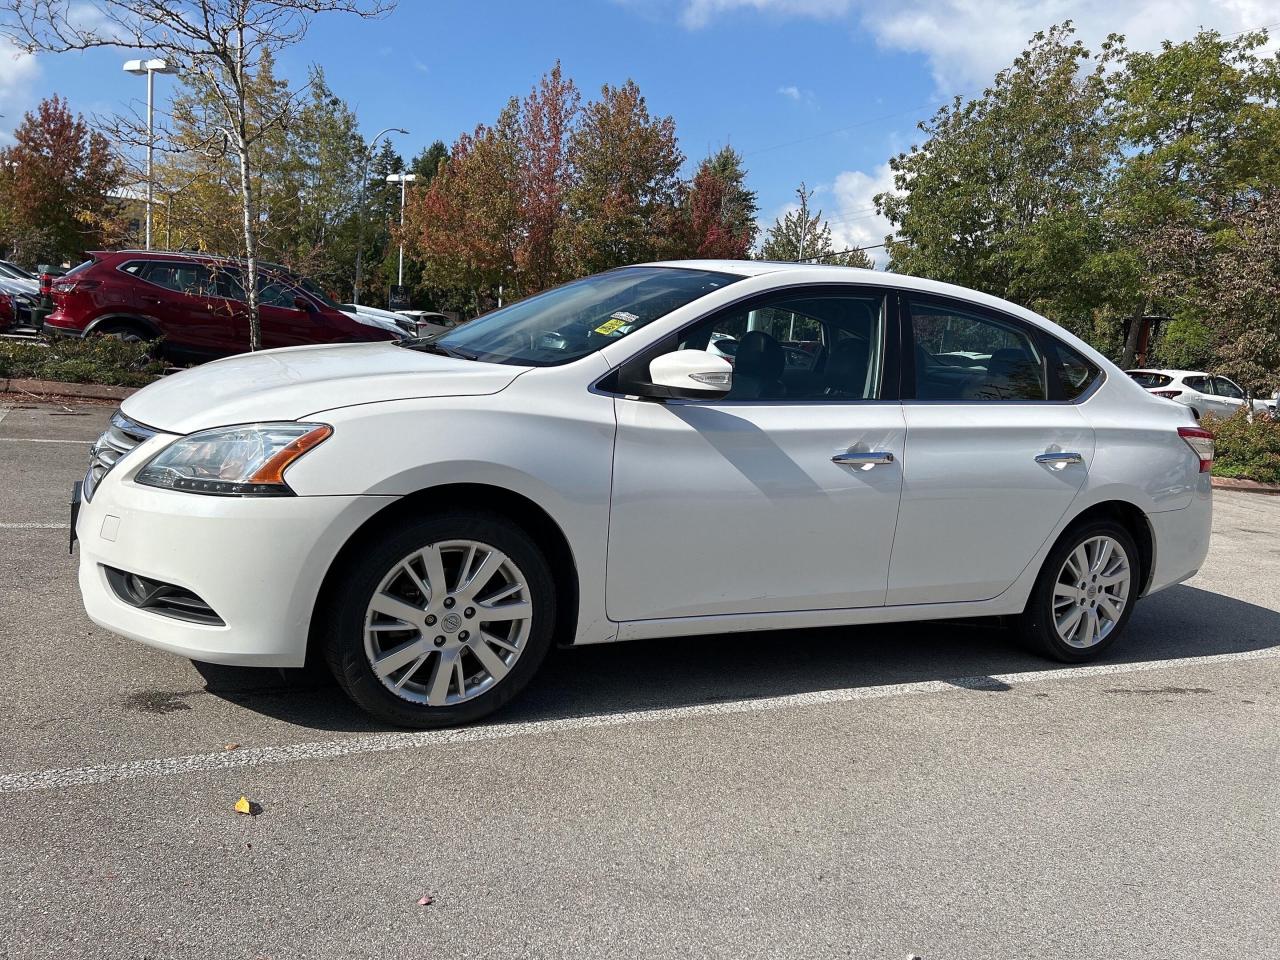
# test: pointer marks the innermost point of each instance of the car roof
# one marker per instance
(827, 273)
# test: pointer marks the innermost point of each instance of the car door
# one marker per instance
(995, 454)
(179, 295)
(782, 496)
(1230, 395)
(1200, 394)
(284, 324)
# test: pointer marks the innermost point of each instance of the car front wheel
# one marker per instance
(442, 621)
(1085, 594)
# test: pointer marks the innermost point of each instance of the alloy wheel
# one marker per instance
(447, 622)
(1091, 591)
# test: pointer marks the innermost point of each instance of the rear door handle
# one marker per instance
(863, 459)
(1059, 460)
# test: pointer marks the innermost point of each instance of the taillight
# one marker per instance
(7, 313)
(1167, 393)
(70, 286)
(46, 284)
(1201, 443)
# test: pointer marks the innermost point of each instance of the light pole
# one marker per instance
(364, 176)
(150, 68)
(402, 179)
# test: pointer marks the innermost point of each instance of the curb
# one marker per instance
(1246, 486)
(53, 388)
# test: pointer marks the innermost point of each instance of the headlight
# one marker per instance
(248, 460)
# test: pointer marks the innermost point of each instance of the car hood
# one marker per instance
(293, 382)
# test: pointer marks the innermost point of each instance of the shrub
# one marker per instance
(1248, 451)
(92, 360)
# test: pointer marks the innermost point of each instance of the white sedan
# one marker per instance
(428, 517)
(1204, 393)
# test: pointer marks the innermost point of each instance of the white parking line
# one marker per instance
(41, 440)
(35, 526)
(55, 779)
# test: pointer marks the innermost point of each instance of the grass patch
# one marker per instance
(1244, 450)
(101, 360)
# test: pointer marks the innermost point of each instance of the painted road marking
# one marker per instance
(35, 526)
(41, 440)
(55, 779)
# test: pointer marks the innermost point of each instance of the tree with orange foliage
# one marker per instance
(55, 181)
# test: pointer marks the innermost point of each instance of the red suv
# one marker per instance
(197, 304)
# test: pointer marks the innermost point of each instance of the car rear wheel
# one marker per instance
(126, 332)
(1085, 594)
(443, 621)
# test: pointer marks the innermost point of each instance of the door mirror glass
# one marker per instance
(690, 374)
(302, 303)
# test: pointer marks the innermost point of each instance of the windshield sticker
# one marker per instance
(616, 322)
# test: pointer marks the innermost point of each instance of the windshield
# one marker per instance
(315, 290)
(18, 271)
(579, 318)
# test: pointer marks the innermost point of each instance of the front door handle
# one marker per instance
(1059, 460)
(863, 459)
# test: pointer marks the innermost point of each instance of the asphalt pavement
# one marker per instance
(923, 790)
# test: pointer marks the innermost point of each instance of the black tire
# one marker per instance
(1037, 626)
(124, 332)
(343, 631)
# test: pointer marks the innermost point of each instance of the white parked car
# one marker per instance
(1204, 393)
(377, 317)
(430, 516)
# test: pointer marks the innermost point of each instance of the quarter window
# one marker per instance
(966, 356)
(797, 347)
(1075, 373)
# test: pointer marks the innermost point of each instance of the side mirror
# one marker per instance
(303, 304)
(689, 375)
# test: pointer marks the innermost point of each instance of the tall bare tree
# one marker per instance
(222, 42)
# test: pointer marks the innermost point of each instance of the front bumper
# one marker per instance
(257, 562)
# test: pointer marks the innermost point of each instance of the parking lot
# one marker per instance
(927, 790)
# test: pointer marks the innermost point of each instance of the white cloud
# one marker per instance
(18, 72)
(966, 41)
(852, 217)
(791, 92)
(854, 221)
(698, 13)
(966, 44)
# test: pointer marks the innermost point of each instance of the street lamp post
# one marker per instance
(364, 176)
(149, 68)
(402, 179)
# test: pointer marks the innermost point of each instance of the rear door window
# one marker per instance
(964, 355)
(1198, 384)
(1150, 381)
(189, 278)
(1225, 388)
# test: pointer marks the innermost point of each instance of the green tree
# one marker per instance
(1002, 194)
(325, 159)
(1199, 123)
(221, 43)
(625, 205)
(802, 235)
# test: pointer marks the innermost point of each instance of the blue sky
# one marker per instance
(823, 91)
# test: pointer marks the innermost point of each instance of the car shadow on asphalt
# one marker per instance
(684, 671)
